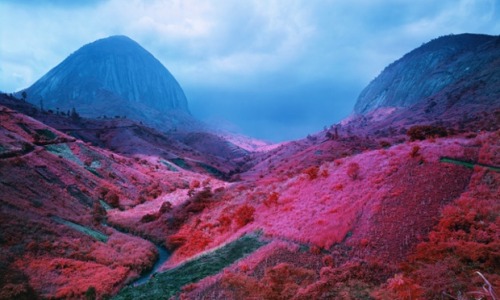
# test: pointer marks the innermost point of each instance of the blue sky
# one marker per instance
(274, 70)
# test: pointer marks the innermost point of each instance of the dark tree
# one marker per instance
(74, 115)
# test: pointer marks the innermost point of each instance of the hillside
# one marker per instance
(399, 202)
(50, 182)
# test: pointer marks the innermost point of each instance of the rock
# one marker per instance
(464, 65)
(113, 77)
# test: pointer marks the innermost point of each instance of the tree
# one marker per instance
(74, 115)
(24, 95)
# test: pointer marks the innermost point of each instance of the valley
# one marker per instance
(398, 201)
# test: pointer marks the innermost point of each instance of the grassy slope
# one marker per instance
(168, 283)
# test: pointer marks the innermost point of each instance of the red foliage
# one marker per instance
(244, 215)
(414, 151)
(465, 240)
(315, 250)
(194, 184)
(176, 241)
(328, 261)
(353, 170)
(279, 282)
(225, 222)
(98, 212)
(272, 199)
(194, 242)
(112, 199)
(312, 172)
(422, 132)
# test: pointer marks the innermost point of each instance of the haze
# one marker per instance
(275, 70)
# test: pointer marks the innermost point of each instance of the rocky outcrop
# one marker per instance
(114, 76)
(466, 67)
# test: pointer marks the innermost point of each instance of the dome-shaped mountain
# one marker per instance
(114, 76)
(462, 68)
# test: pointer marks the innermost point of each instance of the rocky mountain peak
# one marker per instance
(464, 60)
(113, 76)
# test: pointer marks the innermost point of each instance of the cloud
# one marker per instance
(53, 3)
(261, 53)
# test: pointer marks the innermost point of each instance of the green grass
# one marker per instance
(105, 205)
(166, 284)
(169, 165)
(49, 135)
(181, 163)
(64, 151)
(90, 232)
(94, 171)
(467, 164)
(213, 171)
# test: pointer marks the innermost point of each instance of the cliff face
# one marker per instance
(452, 62)
(111, 76)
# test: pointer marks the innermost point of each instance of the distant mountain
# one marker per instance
(456, 69)
(114, 76)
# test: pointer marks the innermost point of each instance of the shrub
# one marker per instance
(414, 151)
(328, 261)
(194, 184)
(244, 215)
(385, 144)
(175, 241)
(312, 172)
(98, 212)
(422, 132)
(353, 170)
(149, 218)
(165, 207)
(272, 199)
(225, 222)
(112, 199)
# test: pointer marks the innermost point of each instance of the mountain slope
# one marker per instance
(113, 76)
(449, 62)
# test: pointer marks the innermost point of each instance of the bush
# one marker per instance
(98, 212)
(414, 151)
(312, 172)
(112, 199)
(385, 144)
(244, 215)
(166, 207)
(272, 199)
(353, 170)
(149, 218)
(422, 132)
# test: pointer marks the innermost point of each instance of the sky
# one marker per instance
(274, 70)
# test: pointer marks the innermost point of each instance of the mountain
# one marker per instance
(467, 66)
(363, 210)
(114, 76)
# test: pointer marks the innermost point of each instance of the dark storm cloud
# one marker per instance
(272, 69)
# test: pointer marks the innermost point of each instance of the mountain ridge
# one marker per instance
(433, 67)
